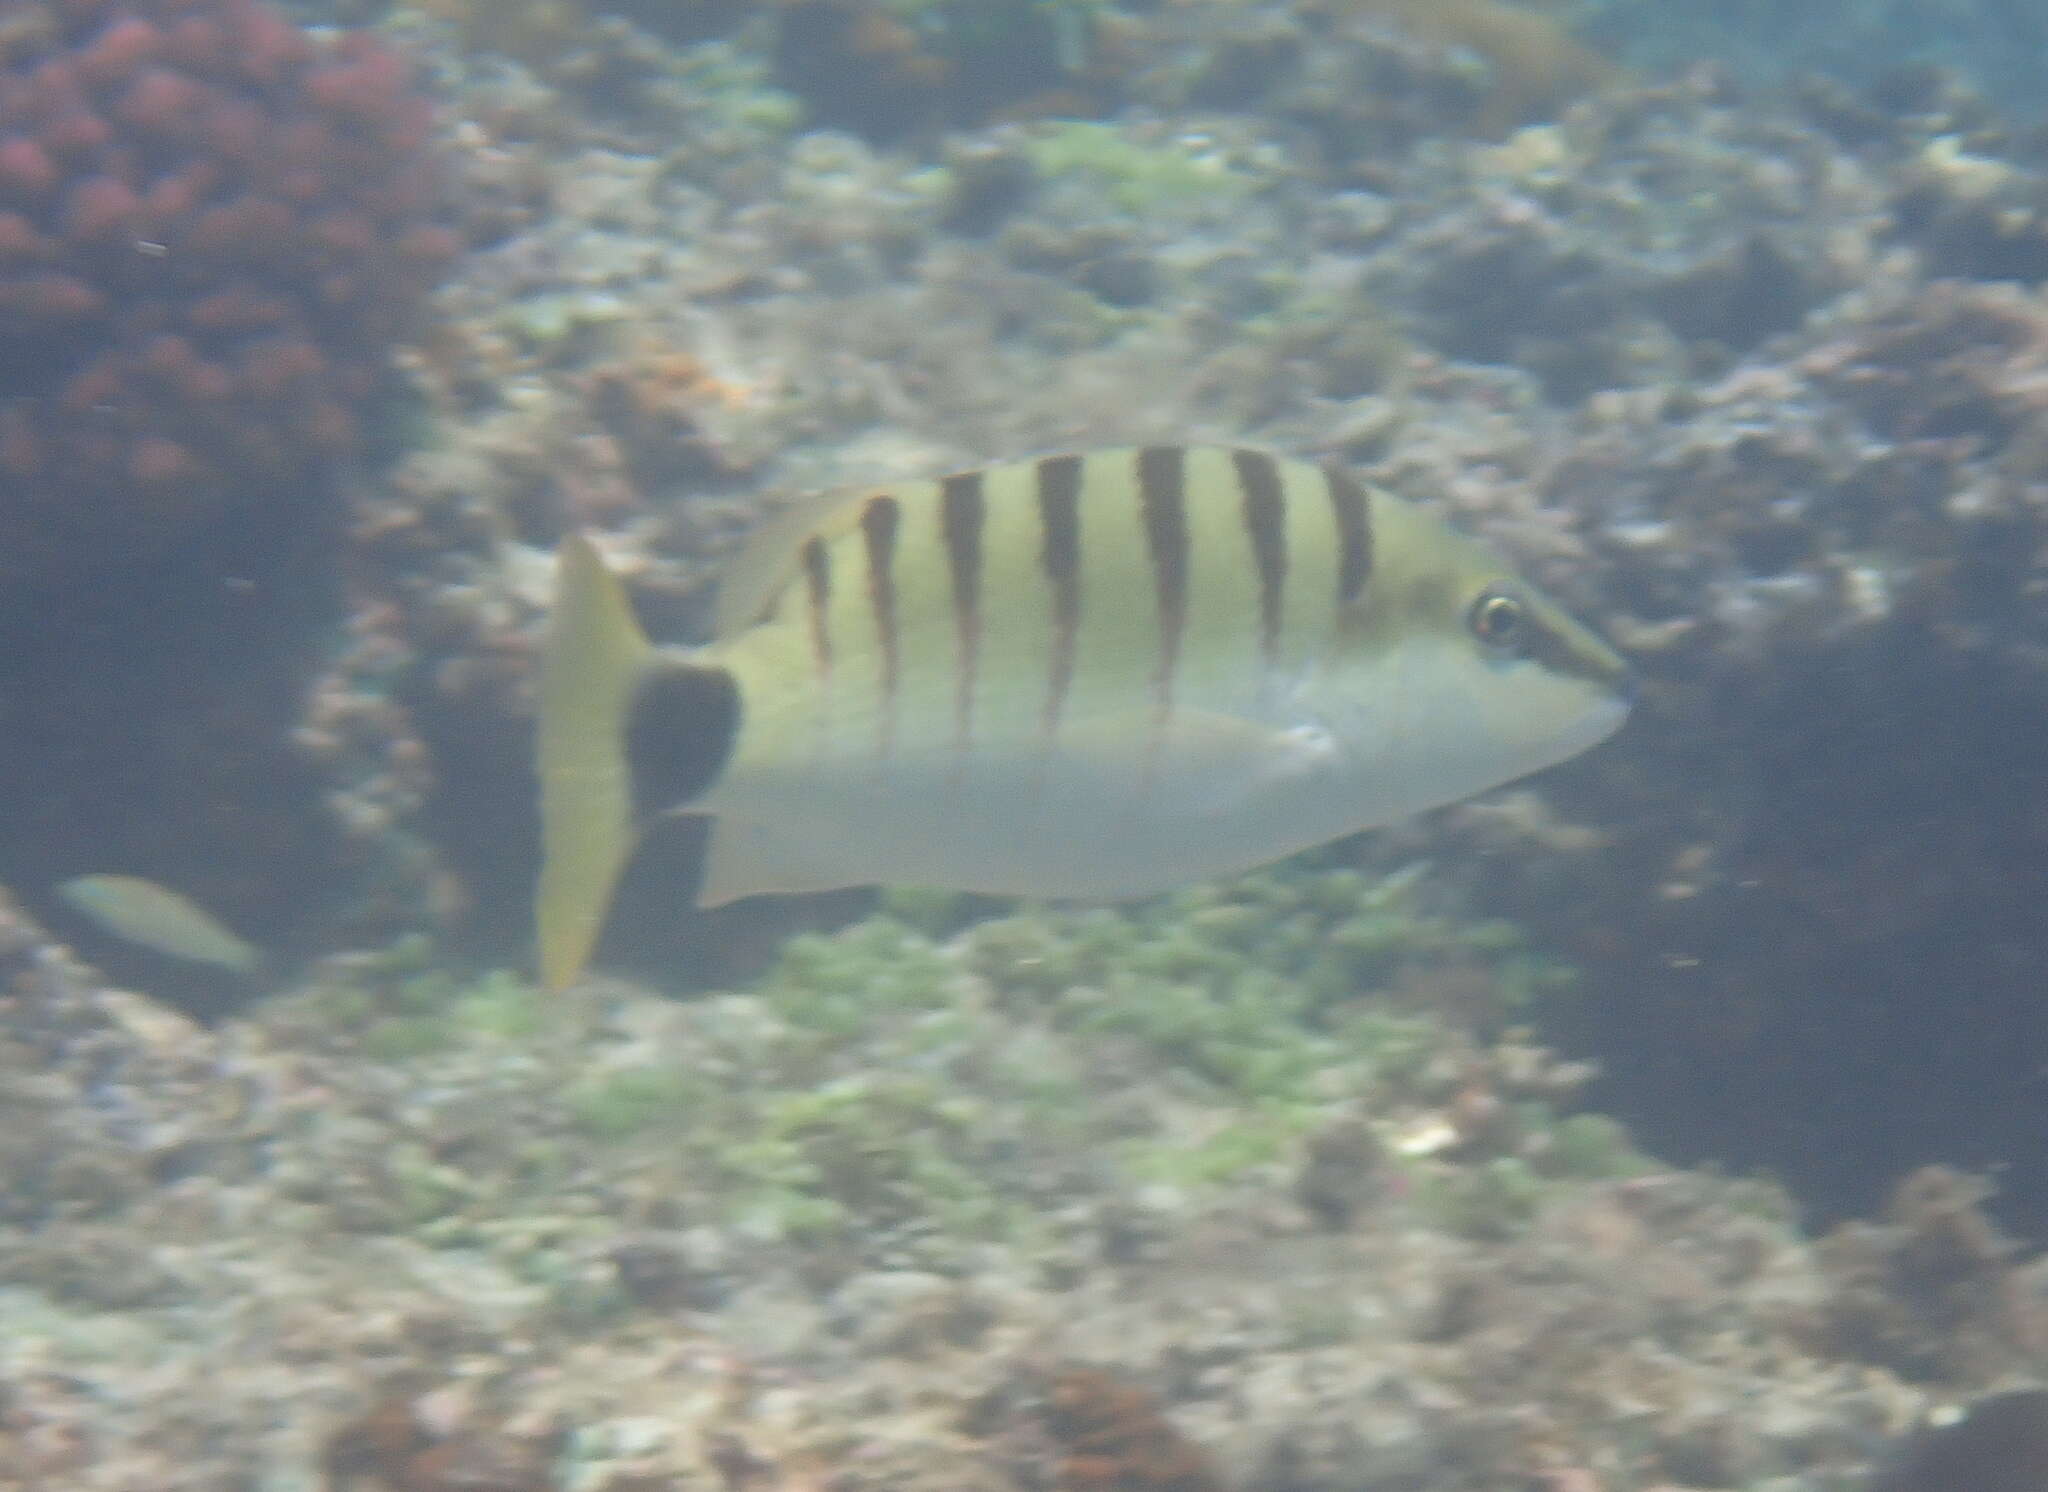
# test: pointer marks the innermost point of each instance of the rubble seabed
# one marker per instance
(1756, 383)
(922, 1214)
(1751, 379)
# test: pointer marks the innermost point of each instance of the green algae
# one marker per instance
(422, 1188)
(1490, 1201)
(839, 984)
(921, 1074)
(876, 1148)
(1142, 179)
(550, 322)
(1590, 1147)
(1262, 1138)
(437, 1011)
(1257, 985)
(1267, 990)
(1267, 993)
(628, 1102)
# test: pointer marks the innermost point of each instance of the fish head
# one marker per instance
(1455, 674)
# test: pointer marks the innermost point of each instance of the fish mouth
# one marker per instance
(1615, 710)
(1602, 665)
(1607, 713)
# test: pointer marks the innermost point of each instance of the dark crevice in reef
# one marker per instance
(146, 727)
(1852, 987)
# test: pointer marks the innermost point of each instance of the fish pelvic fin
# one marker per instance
(594, 657)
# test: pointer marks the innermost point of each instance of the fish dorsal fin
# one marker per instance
(769, 558)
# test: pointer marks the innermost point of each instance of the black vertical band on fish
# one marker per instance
(680, 727)
(963, 510)
(1162, 504)
(1353, 510)
(1265, 522)
(879, 520)
(1059, 521)
(818, 587)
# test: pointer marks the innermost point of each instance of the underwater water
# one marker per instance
(1595, 448)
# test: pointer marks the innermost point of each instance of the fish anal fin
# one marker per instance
(741, 860)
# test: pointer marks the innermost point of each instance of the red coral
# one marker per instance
(1116, 1439)
(390, 1450)
(212, 228)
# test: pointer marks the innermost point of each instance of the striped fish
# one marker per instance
(1089, 676)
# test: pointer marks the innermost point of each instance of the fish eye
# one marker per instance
(1500, 621)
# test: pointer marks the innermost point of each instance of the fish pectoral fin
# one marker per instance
(1216, 760)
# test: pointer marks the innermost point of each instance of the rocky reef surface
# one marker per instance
(1064, 1201)
(214, 226)
(1867, 41)
(1751, 376)
(1256, 1187)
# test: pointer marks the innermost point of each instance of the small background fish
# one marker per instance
(155, 917)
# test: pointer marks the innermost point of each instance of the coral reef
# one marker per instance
(1362, 81)
(1534, 66)
(392, 1448)
(1934, 1290)
(1999, 1445)
(669, 319)
(1863, 42)
(919, 65)
(1724, 367)
(216, 225)
(892, 70)
(211, 231)
(1299, 1167)
(1116, 1440)
(573, 36)
(1826, 560)
(885, 1217)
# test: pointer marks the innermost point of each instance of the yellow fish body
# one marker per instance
(1083, 676)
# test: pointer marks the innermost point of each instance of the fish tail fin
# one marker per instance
(594, 658)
